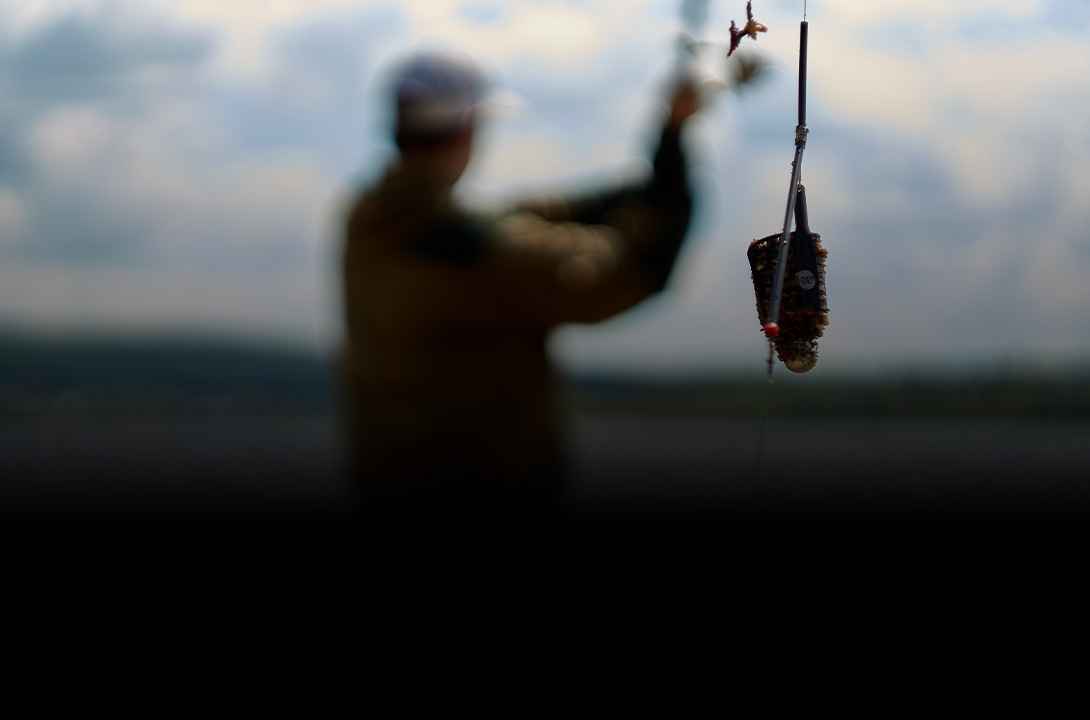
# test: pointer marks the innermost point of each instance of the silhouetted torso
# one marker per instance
(451, 396)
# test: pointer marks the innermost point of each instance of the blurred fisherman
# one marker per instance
(452, 402)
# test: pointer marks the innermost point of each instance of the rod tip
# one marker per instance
(771, 330)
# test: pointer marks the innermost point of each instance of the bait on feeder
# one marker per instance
(751, 29)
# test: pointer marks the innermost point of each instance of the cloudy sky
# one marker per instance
(181, 164)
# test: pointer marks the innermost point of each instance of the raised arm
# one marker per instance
(589, 258)
(669, 171)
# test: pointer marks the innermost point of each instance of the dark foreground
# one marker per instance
(96, 425)
(624, 463)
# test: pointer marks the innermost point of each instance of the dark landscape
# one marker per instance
(174, 424)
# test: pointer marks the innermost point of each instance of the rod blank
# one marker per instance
(802, 72)
(796, 178)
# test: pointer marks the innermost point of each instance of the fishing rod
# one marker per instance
(772, 327)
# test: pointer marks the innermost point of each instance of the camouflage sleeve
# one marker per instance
(667, 201)
(557, 273)
(588, 258)
(668, 184)
(589, 208)
(652, 217)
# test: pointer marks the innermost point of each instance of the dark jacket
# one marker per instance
(450, 391)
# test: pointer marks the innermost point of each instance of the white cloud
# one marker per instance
(253, 305)
(932, 13)
(172, 169)
(247, 25)
(71, 141)
(12, 217)
(22, 16)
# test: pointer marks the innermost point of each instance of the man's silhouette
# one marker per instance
(452, 400)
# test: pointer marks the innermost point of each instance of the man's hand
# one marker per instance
(746, 70)
(684, 104)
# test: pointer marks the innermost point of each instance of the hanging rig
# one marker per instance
(789, 268)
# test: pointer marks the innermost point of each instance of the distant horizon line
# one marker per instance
(998, 366)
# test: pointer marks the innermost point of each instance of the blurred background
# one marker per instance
(173, 176)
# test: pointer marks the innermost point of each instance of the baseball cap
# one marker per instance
(435, 94)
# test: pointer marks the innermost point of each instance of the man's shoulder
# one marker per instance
(453, 236)
(413, 225)
(362, 203)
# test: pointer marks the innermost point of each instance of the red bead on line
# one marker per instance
(772, 330)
